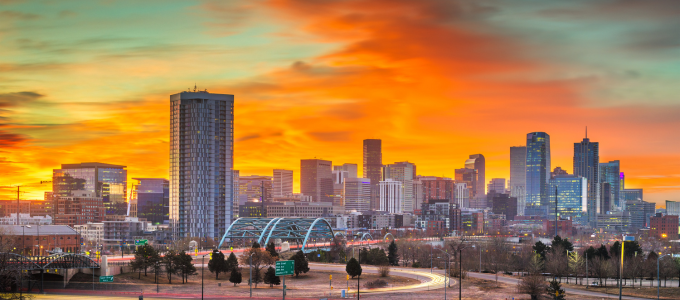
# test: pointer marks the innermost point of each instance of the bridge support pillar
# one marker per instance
(42, 280)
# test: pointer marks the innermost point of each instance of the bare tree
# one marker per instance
(556, 262)
(534, 285)
(498, 255)
(634, 268)
(602, 268)
(260, 259)
(575, 264)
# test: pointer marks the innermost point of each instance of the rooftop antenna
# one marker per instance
(194, 87)
(586, 131)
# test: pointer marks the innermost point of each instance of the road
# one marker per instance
(513, 281)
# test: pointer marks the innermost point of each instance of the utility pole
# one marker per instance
(555, 210)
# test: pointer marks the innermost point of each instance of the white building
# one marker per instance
(93, 232)
(283, 183)
(26, 219)
(461, 195)
(392, 196)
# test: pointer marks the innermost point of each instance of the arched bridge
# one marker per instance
(265, 229)
(57, 261)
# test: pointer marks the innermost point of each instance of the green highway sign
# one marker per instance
(285, 267)
(141, 242)
(105, 278)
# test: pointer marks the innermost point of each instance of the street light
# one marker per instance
(446, 269)
(460, 272)
(251, 275)
(23, 246)
(657, 275)
(202, 271)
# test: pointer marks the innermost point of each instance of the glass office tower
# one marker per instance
(518, 176)
(572, 195)
(586, 164)
(537, 173)
(102, 180)
(609, 173)
(152, 196)
(201, 163)
(373, 168)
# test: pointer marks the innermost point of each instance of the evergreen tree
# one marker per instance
(377, 257)
(271, 248)
(602, 252)
(555, 290)
(393, 254)
(565, 243)
(271, 278)
(301, 264)
(363, 256)
(353, 268)
(217, 264)
(631, 248)
(256, 245)
(541, 249)
(591, 253)
(235, 276)
(169, 261)
(185, 266)
(231, 263)
(145, 257)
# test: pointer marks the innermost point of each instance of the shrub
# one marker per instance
(378, 283)
(384, 270)
(416, 265)
(455, 272)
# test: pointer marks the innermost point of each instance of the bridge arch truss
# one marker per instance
(57, 261)
(265, 229)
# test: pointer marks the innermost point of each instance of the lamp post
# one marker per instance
(21, 274)
(202, 271)
(446, 270)
(460, 273)
(251, 275)
(657, 275)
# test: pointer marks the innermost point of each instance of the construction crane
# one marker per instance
(19, 193)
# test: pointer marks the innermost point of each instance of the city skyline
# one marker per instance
(70, 91)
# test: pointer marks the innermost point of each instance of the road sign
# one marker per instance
(629, 238)
(141, 242)
(676, 255)
(285, 267)
(105, 278)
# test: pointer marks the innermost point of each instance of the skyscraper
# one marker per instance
(572, 195)
(609, 173)
(518, 176)
(350, 168)
(496, 185)
(403, 172)
(98, 179)
(201, 163)
(391, 196)
(283, 183)
(255, 188)
(357, 193)
(373, 168)
(316, 179)
(538, 173)
(587, 165)
(477, 162)
(152, 196)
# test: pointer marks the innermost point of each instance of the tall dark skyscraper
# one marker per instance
(610, 173)
(518, 176)
(538, 173)
(586, 165)
(373, 168)
(316, 179)
(201, 163)
(151, 196)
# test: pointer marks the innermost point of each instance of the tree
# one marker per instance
(169, 261)
(145, 257)
(555, 290)
(184, 264)
(535, 265)
(541, 248)
(260, 259)
(602, 268)
(231, 263)
(338, 247)
(235, 276)
(256, 245)
(271, 248)
(576, 264)
(271, 278)
(301, 264)
(602, 252)
(556, 261)
(217, 264)
(564, 243)
(393, 254)
(353, 268)
(377, 257)
(532, 285)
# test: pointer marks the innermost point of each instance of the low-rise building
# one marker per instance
(564, 227)
(663, 227)
(78, 209)
(302, 209)
(41, 240)
(91, 232)
(615, 222)
(26, 219)
(123, 232)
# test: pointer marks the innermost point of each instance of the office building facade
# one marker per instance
(496, 185)
(283, 183)
(255, 188)
(98, 179)
(201, 163)
(518, 175)
(373, 168)
(404, 173)
(152, 198)
(610, 173)
(478, 163)
(357, 193)
(316, 179)
(537, 173)
(572, 196)
(352, 169)
(392, 196)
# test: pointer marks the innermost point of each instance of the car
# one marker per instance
(594, 283)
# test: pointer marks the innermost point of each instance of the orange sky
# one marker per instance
(435, 80)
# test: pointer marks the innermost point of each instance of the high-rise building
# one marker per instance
(255, 188)
(316, 179)
(339, 177)
(350, 168)
(496, 185)
(518, 176)
(357, 193)
(572, 195)
(152, 196)
(201, 163)
(558, 171)
(640, 212)
(630, 194)
(78, 209)
(403, 172)
(461, 195)
(98, 179)
(605, 198)
(373, 168)
(673, 208)
(609, 173)
(235, 193)
(283, 183)
(439, 188)
(478, 163)
(392, 196)
(586, 165)
(469, 177)
(664, 227)
(538, 173)
(506, 205)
